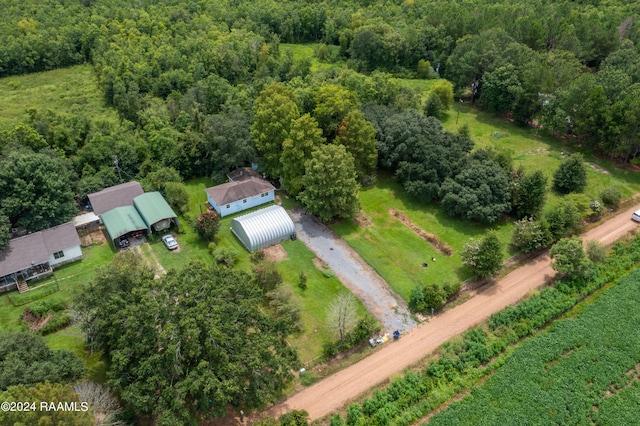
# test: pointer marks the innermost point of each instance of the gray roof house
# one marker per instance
(115, 196)
(238, 195)
(34, 256)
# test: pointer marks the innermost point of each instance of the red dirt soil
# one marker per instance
(332, 393)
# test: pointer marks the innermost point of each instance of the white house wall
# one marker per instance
(241, 205)
(70, 254)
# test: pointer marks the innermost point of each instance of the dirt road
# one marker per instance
(332, 393)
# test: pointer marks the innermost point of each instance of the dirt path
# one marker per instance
(355, 273)
(334, 392)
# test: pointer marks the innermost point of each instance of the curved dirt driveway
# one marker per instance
(332, 393)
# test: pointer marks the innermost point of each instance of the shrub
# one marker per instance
(41, 308)
(529, 235)
(610, 196)
(562, 219)
(596, 252)
(303, 280)
(257, 257)
(483, 257)
(267, 276)
(596, 207)
(206, 225)
(225, 256)
(58, 322)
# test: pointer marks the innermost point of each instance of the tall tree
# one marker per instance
(5, 231)
(528, 194)
(304, 137)
(571, 176)
(25, 359)
(479, 192)
(483, 257)
(359, 138)
(569, 258)
(331, 188)
(191, 343)
(51, 394)
(341, 315)
(36, 190)
(332, 104)
(275, 110)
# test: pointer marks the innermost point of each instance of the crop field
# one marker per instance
(585, 370)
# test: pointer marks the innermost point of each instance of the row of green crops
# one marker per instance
(465, 359)
(583, 371)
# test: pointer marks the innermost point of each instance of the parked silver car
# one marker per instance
(170, 242)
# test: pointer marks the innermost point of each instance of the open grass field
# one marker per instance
(396, 252)
(65, 91)
(584, 370)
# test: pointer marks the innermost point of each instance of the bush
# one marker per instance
(206, 225)
(257, 257)
(303, 280)
(529, 235)
(610, 197)
(41, 308)
(225, 256)
(596, 252)
(562, 219)
(58, 322)
(267, 276)
(483, 257)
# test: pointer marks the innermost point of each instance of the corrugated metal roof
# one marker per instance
(122, 220)
(263, 227)
(153, 208)
(238, 190)
(115, 196)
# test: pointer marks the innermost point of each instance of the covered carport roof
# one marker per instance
(122, 220)
(153, 208)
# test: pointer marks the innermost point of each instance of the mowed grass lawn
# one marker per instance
(397, 252)
(314, 301)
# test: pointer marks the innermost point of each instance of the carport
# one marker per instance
(155, 211)
(122, 221)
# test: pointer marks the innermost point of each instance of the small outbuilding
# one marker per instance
(155, 211)
(263, 228)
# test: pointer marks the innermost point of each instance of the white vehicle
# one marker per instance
(636, 216)
(170, 242)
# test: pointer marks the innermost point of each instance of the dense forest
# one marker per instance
(202, 87)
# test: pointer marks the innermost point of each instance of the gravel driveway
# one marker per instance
(355, 273)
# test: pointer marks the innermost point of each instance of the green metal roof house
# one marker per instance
(155, 211)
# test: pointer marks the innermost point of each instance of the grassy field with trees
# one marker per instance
(180, 93)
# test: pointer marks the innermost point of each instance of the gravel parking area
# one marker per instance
(355, 273)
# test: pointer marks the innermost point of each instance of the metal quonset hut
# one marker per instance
(263, 228)
(121, 221)
(155, 211)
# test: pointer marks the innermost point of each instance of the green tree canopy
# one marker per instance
(275, 110)
(36, 190)
(571, 176)
(479, 192)
(190, 343)
(332, 104)
(359, 138)
(49, 393)
(528, 194)
(569, 258)
(304, 137)
(331, 188)
(25, 359)
(483, 257)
